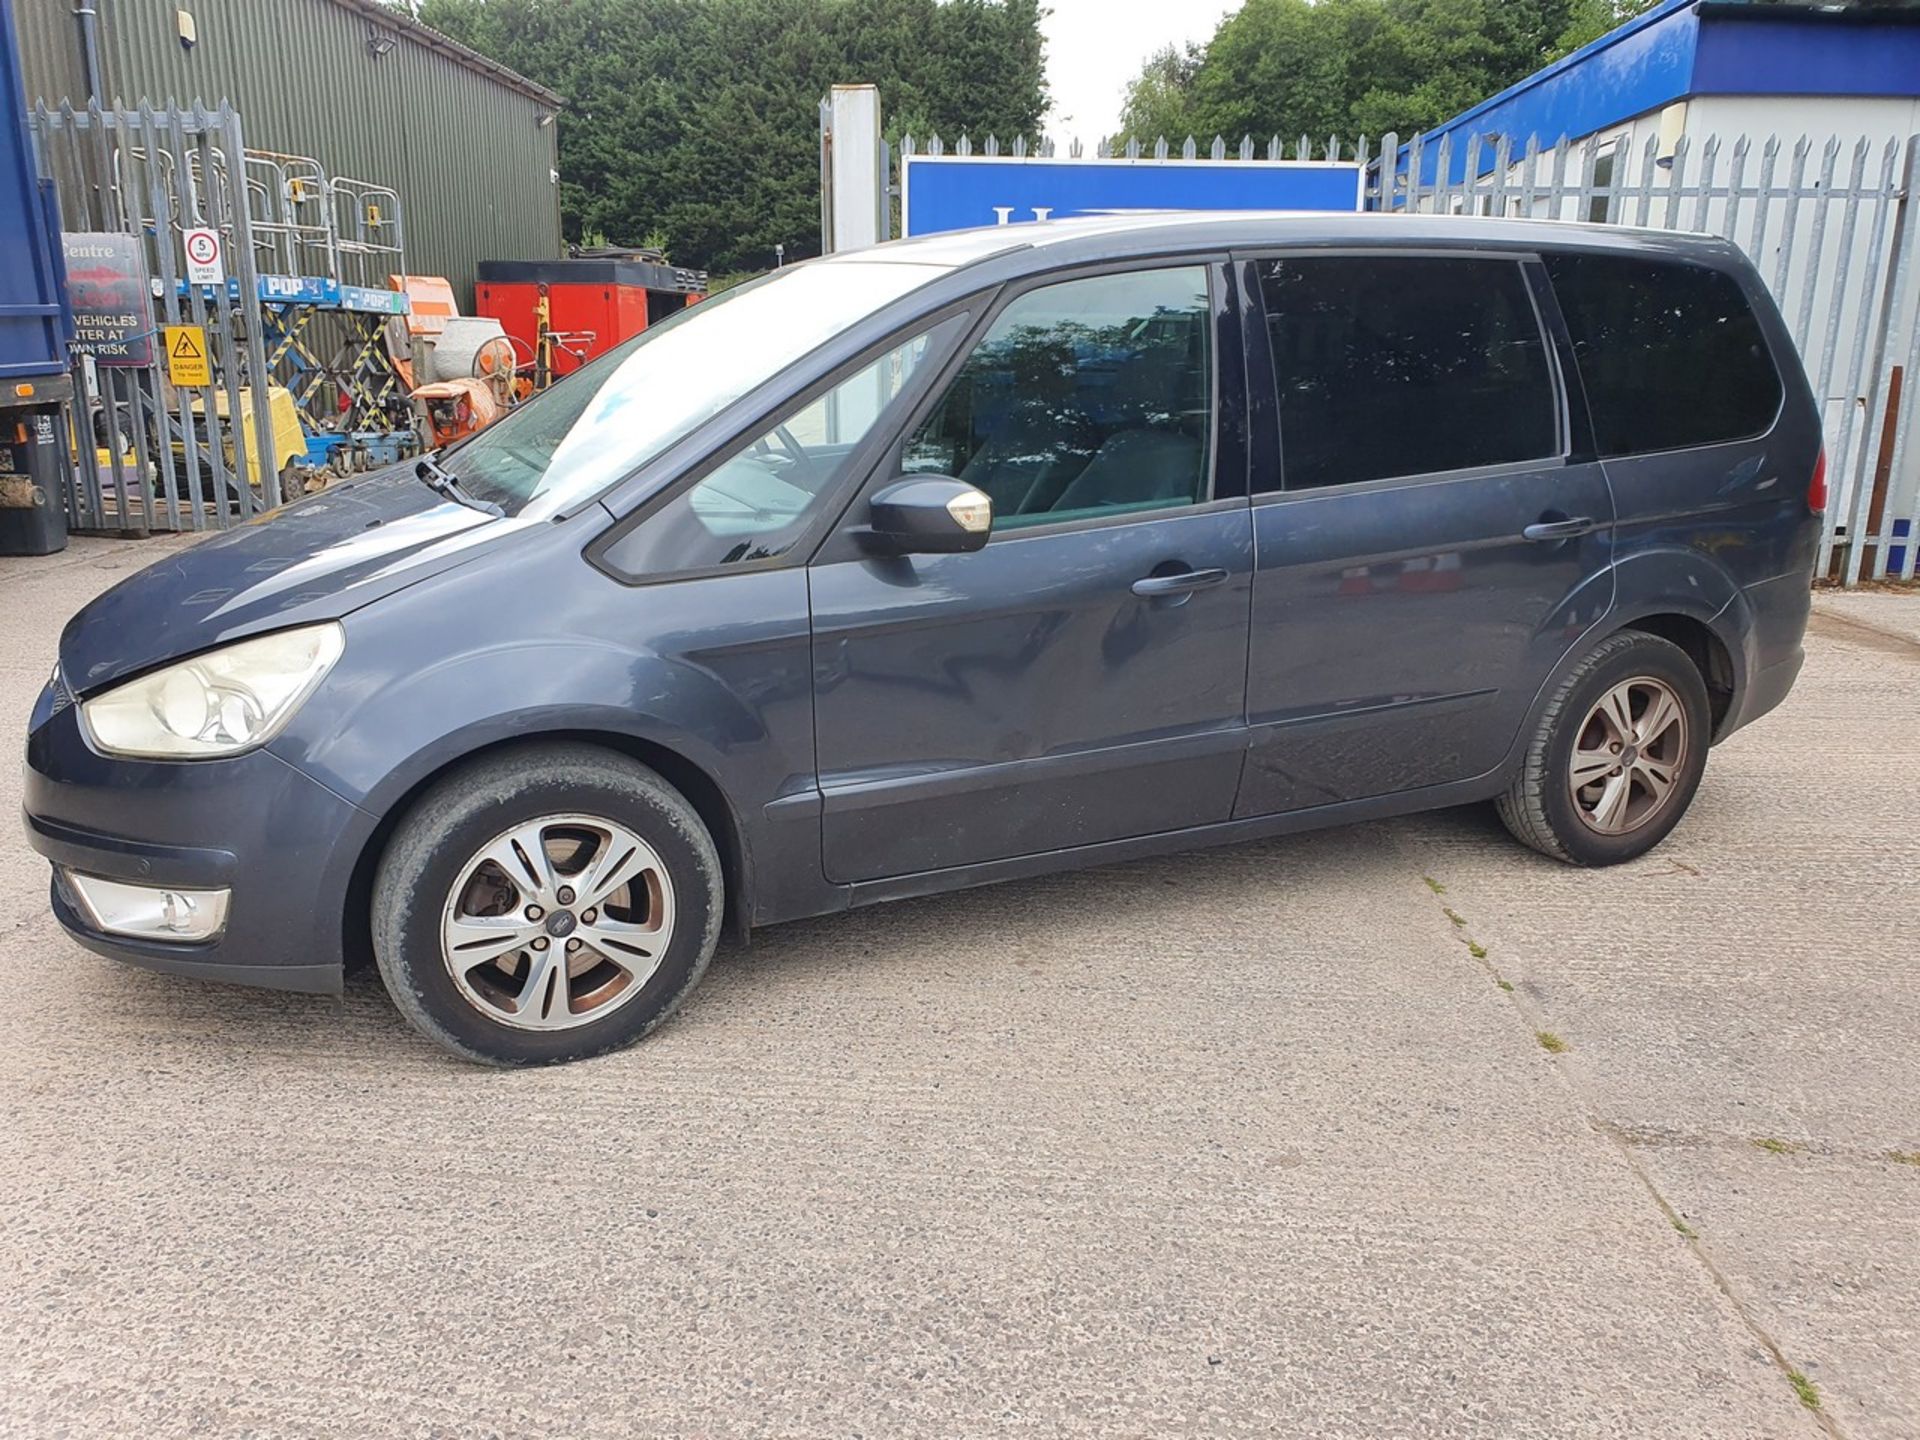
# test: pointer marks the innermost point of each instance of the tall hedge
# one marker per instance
(695, 121)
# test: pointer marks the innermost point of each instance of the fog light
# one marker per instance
(152, 912)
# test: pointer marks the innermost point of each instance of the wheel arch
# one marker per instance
(1710, 654)
(1689, 597)
(701, 790)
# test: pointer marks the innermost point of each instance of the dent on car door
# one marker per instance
(1082, 677)
(1430, 542)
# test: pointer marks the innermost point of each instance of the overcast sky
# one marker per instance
(1095, 46)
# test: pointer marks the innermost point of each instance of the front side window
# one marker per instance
(1086, 398)
(1405, 365)
(1670, 353)
(761, 498)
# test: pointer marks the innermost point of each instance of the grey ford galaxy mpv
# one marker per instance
(946, 562)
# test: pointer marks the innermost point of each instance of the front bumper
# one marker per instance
(282, 843)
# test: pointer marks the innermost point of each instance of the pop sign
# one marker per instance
(203, 258)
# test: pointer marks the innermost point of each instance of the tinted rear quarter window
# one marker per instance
(1671, 353)
(1394, 365)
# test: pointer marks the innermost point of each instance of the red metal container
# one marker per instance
(593, 303)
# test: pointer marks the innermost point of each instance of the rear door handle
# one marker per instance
(1177, 584)
(1549, 530)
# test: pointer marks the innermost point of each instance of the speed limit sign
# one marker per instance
(203, 258)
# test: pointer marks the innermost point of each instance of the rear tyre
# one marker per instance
(1617, 756)
(546, 904)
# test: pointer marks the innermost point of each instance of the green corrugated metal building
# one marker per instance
(356, 84)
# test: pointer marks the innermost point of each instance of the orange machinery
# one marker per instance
(470, 379)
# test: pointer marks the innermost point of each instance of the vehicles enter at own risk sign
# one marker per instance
(187, 364)
(203, 258)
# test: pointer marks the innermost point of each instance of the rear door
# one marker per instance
(1429, 539)
(1082, 678)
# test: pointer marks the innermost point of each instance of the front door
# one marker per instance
(1082, 677)
(1430, 544)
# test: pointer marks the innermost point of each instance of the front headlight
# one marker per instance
(219, 703)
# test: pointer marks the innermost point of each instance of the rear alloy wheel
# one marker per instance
(546, 904)
(1618, 754)
(1628, 755)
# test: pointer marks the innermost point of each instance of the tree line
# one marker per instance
(692, 124)
(1355, 67)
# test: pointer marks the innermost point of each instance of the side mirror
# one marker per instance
(929, 515)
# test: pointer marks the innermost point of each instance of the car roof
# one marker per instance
(1087, 239)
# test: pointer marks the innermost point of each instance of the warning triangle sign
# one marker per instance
(187, 355)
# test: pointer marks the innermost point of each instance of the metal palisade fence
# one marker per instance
(160, 441)
(1830, 224)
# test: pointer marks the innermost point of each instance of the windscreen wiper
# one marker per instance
(443, 481)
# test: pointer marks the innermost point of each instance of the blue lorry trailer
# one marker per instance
(36, 323)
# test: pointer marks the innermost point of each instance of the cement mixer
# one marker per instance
(459, 369)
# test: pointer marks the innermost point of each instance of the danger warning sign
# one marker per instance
(187, 355)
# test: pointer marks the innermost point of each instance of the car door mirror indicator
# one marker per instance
(928, 515)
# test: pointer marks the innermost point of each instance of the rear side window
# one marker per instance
(1670, 353)
(1405, 365)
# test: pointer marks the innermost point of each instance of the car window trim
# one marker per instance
(839, 544)
(1117, 516)
(1523, 257)
(830, 506)
(1500, 471)
(1576, 436)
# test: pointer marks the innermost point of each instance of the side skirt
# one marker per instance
(1230, 832)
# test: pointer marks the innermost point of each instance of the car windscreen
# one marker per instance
(630, 404)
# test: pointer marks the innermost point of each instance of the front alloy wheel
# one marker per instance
(558, 922)
(544, 904)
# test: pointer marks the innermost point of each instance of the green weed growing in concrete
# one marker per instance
(1453, 915)
(1684, 1228)
(1904, 1157)
(1434, 885)
(1506, 985)
(1776, 1147)
(1476, 950)
(1808, 1392)
(1550, 1042)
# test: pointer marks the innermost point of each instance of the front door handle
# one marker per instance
(1550, 530)
(1179, 583)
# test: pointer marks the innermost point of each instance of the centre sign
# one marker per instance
(958, 192)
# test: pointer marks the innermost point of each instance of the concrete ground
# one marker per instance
(1253, 1141)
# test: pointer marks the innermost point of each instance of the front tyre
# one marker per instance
(546, 904)
(1617, 756)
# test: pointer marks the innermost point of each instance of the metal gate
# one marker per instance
(149, 453)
